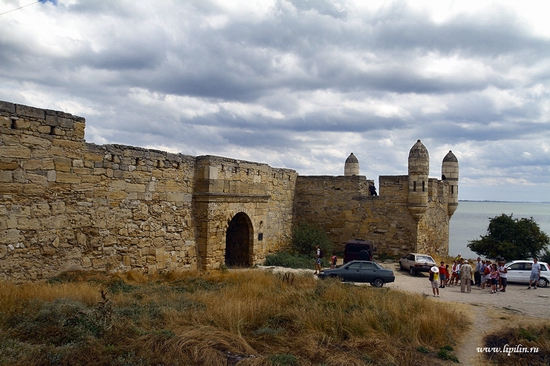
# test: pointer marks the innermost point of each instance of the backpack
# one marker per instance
(487, 270)
(320, 253)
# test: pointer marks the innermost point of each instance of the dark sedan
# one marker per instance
(361, 271)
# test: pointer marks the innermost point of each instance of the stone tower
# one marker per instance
(419, 168)
(351, 167)
(449, 172)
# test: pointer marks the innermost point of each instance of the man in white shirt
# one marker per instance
(503, 273)
(477, 272)
(535, 274)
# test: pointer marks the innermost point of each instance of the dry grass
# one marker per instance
(246, 317)
(519, 346)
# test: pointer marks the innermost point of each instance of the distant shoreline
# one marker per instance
(500, 201)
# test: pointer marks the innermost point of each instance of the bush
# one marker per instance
(288, 260)
(305, 238)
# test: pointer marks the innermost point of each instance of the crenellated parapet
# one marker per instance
(68, 204)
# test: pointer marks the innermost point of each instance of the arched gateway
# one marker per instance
(239, 241)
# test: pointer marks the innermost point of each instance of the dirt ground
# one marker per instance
(485, 311)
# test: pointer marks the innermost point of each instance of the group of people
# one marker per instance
(443, 276)
(491, 274)
(485, 274)
(319, 260)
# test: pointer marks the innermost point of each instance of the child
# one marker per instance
(333, 261)
(494, 278)
(434, 279)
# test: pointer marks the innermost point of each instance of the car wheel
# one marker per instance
(378, 282)
(412, 271)
(543, 282)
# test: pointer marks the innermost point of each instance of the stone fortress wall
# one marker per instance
(67, 204)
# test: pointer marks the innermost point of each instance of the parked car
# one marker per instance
(361, 271)
(416, 262)
(358, 249)
(520, 271)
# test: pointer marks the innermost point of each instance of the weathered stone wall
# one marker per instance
(68, 204)
(226, 187)
(343, 206)
(65, 203)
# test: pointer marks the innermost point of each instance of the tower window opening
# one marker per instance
(423, 186)
(414, 186)
(452, 189)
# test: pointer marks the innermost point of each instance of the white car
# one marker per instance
(416, 262)
(520, 271)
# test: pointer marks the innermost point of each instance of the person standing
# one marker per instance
(477, 272)
(535, 274)
(503, 273)
(494, 278)
(442, 275)
(485, 271)
(333, 260)
(434, 279)
(454, 274)
(318, 259)
(488, 273)
(465, 277)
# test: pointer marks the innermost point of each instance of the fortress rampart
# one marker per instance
(68, 204)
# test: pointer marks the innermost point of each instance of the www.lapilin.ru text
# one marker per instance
(508, 349)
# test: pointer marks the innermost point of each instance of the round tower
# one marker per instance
(449, 173)
(351, 167)
(419, 168)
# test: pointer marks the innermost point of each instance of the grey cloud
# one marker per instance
(282, 62)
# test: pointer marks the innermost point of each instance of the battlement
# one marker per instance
(68, 204)
(44, 123)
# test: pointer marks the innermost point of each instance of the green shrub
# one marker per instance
(285, 259)
(305, 238)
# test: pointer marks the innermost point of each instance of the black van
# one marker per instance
(358, 249)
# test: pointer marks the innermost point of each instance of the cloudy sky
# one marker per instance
(299, 84)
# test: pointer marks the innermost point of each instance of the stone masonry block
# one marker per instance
(27, 111)
(7, 107)
(67, 178)
(21, 124)
(18, 152)
(6, 177)
(8, 164)
(63, 164)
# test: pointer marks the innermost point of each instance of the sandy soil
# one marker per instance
(486, 312)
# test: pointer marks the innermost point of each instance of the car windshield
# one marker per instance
(424, 258)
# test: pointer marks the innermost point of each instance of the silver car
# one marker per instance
(520, 271)
(416, 262)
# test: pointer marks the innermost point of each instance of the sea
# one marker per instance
(471, 220)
